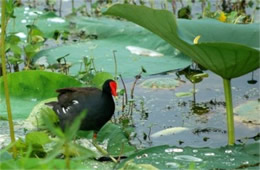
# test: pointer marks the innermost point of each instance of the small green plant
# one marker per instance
(194, 73)
(5, 14)
(64, 144)
(50, 4)
(234, 12)
(14, 52)
(35, 40)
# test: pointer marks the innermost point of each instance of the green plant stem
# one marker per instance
(194, 93)
(229, 109)
(73, 6)
(103, 151)
(67, 156)
(7, 97)
(114, 54)
(60, 8)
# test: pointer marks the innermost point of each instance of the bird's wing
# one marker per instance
(68, 96)
(85, 90)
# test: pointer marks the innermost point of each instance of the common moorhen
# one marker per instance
(99, 104)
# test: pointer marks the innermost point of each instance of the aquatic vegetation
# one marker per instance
(220, 49)
(85, 48)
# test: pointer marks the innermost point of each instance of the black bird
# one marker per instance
(99, 104)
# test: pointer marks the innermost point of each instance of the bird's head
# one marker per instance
(110, 86)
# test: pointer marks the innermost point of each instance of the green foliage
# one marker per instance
(35, 117)
(89, 70)
(10, 9)
(220, 43)
(118, 143)
(117, 35)
(64, 142)
(33, 145)
(37, 138)
(38, 84)
(129, 165)
(27, 88)
(167, 157)
(99, 79)
(27, 16)
(35, 163)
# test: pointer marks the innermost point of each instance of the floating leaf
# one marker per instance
(161, 83)
(35, 117)
(143, 51)
(112, 36)
(248, 112)
(183, 94)
(47, 22)
(99, 79)
(129, 165)
(171, 157)
(28, 88)
(169, 131)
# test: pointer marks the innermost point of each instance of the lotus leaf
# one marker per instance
(27, 88)
(228, 50)
(113, 35)
(171, 157)
(26, 16)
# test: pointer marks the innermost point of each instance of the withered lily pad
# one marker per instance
(35, 117)
(248, 112)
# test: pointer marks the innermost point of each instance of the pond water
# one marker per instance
(159, 109)
(163, 109)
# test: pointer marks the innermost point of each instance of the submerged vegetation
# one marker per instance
(55, 44)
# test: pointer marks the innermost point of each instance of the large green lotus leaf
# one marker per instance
(47, 22)
(169, 157)
(223, 32)
(117, 35)
(228, 50)
(28, 88)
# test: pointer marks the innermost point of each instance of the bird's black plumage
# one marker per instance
(99, 105)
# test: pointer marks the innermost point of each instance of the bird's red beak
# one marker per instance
(113, 87)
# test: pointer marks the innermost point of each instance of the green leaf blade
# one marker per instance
(222, 46)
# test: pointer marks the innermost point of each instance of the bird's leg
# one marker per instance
(100, 149)
(94, 136)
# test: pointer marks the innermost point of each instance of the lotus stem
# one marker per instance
(229, 109)
(7, 97)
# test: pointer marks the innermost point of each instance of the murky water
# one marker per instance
(164, 110)
(159, 109)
